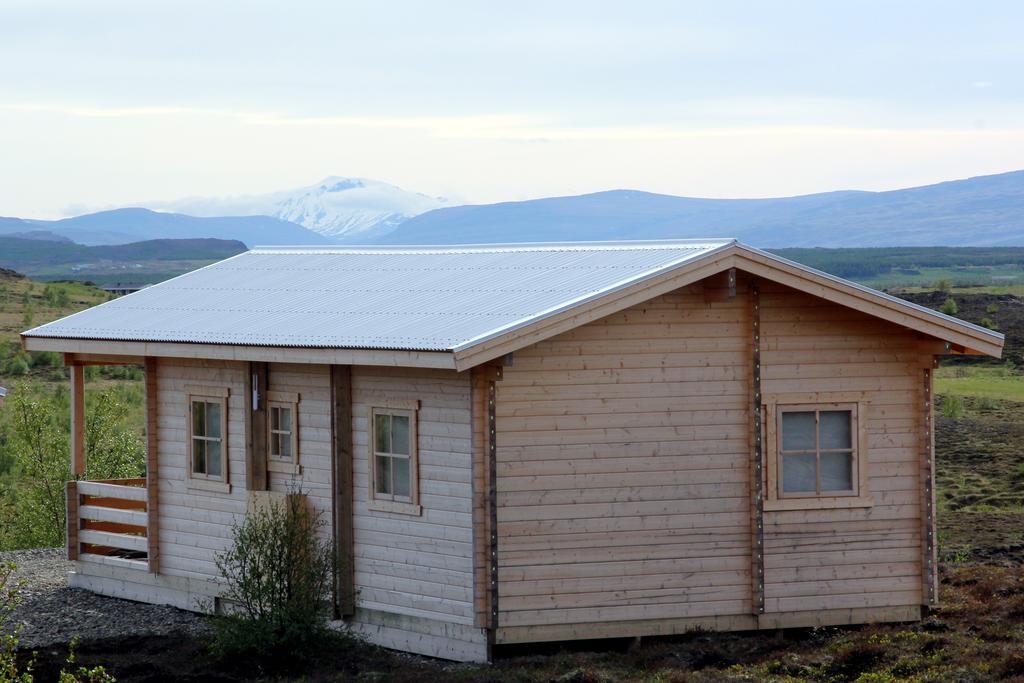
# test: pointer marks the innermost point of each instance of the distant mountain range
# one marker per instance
(981, 211)
(341, 209)
(26, 254)
(123, 226)
(136, 263)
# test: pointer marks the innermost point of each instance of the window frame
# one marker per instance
(818, 450)
(389, 502)
(275, 463)
(776, 498)
(199, 480)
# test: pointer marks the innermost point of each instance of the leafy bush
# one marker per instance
(987, 404)
(122, 372)
(46, 359)
(952, 407)
(949, 307)
(38, 441)
(987, 322)
(56, 296)
(16, 366)
(278, 574)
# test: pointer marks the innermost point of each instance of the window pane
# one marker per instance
(382, 431)
(275, 419)
(798, 474)
(798, 431)
(213, 458)
(275, 444)
(835, 429)
(286, 419)
(403, 482)
(213, 420)
(400, 434)
(836, 472)
(383, 474)
(284, 446)
(198, 456)
(199, 418)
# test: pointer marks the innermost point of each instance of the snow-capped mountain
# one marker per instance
(342, 209)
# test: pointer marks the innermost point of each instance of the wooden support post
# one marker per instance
(492, 505)
(757, 458)
(929, 559)
(478, 445)
(152, 467)
(485, 498)
(256, 427)
(342, 489)
(71, 518)
(720, 287)
(77, 421)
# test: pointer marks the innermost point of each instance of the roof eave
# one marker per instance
(444, 360)
(972, 338)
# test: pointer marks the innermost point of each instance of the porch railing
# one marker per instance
(108, 522)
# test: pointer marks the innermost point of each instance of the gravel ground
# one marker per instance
(52, 613)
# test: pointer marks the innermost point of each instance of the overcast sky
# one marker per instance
(110, 103)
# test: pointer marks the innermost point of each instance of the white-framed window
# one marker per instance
(394, 458)
(283, 432)
(208, 438)
(817, 451)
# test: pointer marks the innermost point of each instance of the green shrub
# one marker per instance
(952, 407)
(943, 285)
(122, 372)
(38, 440)
(278, 573)
(987, 322)
(46, 359)
(949, 307)
(18, 366)
(992, 308)
(987, 404)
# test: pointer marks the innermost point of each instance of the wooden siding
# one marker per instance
(418, 565)
(623, 468)
(312, 383)
(624, 465)
(821, 559)
(196, 524)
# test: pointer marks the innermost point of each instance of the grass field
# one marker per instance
(112, 272)
(995, 383)
(998, 277)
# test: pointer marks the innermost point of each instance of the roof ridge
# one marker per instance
(610, 245)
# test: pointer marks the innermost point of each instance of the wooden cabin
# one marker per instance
(526, 443)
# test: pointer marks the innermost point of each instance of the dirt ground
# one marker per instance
(976, 635)
(980, 483)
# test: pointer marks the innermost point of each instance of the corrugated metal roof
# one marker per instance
(409, 298)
